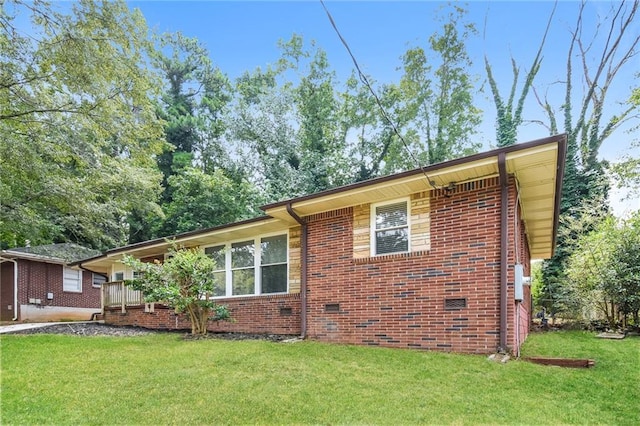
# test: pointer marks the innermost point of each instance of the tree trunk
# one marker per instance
(199, 319)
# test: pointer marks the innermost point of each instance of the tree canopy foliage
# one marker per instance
(604, 269)
(77, 123)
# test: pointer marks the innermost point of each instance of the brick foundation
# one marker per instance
(273, 314)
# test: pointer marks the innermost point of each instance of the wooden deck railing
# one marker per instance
(116, 293)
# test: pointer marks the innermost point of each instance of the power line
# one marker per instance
(365, 81)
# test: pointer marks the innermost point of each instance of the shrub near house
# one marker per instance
(184, 282)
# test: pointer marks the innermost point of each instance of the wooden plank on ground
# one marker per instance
(562, 362)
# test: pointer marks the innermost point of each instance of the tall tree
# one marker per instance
(431, 112)
(291, 127)
(438, 91)
(201, 200)
(322, 164)
(193, 105)
(509, 115)
(586, 119)
(77, 124)
(262, 125)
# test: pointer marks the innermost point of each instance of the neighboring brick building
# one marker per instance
(47, 288)
(432, 258)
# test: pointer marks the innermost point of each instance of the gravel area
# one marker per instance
(99, 329)
(87, 329)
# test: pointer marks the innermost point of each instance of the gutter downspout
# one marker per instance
(504, 230)
(15, 287)
(93, 315)
(303, 270)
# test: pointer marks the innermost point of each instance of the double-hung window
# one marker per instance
(72, 280)
(97, 280)
(390, 227)
(273, 264)
(242, 268)
(218, 255)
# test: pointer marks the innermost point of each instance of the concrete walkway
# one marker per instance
(28, 326)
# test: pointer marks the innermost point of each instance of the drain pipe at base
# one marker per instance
(303, 270)
(504, 231)
(93, 315)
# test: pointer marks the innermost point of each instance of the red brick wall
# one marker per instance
(394, 300)
(399, 300)
(273, 314)
(36, 279)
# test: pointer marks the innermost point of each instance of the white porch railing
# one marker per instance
(116, 293)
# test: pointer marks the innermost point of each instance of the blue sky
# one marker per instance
(241, 36)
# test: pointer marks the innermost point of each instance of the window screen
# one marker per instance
(273, 254)
(391, 228)
(98, 280)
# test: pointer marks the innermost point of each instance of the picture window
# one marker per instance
(251, 267)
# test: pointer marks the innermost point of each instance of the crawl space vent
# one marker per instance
(332, 307)
(285, 312)
(453, 304)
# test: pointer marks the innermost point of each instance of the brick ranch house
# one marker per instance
(37, 284)
(432, 258)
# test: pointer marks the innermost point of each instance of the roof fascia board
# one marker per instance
(392, 182)
(419, 173)
(36, 257)
(561, 163)
(178, 238)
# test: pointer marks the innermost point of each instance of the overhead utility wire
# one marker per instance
(365, 81)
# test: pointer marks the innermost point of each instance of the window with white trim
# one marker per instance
(127, 274)
(251, 267)
(97, 280)
(390, 227)
(72, 280)
(217, 254)
(273, 264)
(242, 268)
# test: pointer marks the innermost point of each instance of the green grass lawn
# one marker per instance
(162, 379)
